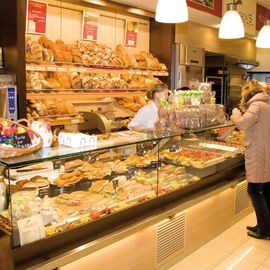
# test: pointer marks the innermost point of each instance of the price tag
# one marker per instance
(154, 164)
(50, 68)
(174, 148)
(22, 140)
(155, 73)
(130, 173)
(30, 68)
(73, 70)
(42, 192)
(58, 163)
(91, 157)
(62, 69)
(131, 72)
(138, 72)
(75, 121)
(115, 183)
(31, 229)
(41, 68)
(144, 73)
(82, 70)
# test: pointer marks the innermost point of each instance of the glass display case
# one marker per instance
(60, 189)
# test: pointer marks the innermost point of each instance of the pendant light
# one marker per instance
(231, 26)
(263, 39)
(171, 11)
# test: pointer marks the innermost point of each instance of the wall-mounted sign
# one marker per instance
(247, 12)
(213, 7)
(36, 22)
(131, 33)
(12, 102)
(90, 24)
(262, 14)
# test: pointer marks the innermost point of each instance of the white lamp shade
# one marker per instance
(263, 39)
(172, 11)
(231, 26)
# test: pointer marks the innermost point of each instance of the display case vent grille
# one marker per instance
(170, 237)
(241, 200)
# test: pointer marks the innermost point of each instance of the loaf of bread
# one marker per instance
(47, 55)
(75, 80)
(36, 108)
(67, 57)
(76, 55)
(33, 81)
(33, 49)
(45, 42)
(53, 83)
(63, 79)
(51, 107)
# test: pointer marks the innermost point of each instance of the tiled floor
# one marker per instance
(231, 250)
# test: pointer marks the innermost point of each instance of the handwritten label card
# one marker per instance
(31, 229)
(22, 140)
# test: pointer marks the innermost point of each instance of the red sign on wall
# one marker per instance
(131, 33)
(213, 7)
(90, 25)
(262, 13)
(36, 17)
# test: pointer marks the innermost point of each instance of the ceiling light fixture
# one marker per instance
(171, 11)
(263, 39)
(231, 26)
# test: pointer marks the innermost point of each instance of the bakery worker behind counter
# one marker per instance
(147, 116)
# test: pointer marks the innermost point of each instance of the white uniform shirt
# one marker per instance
(146, 117)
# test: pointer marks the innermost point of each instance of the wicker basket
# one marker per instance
(13, 152)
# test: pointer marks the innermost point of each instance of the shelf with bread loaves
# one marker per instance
(76, 193)
(85, 71)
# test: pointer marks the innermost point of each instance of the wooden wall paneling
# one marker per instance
(162, 39)
(132, 253)
(206, 37)
(207, 219)
(65, 23)
(14, 46)
(21, 70)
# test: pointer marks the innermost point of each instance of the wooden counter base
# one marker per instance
(142, 250)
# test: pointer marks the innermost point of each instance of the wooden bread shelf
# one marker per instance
(71, 68)
(74, 96)
(81, 90)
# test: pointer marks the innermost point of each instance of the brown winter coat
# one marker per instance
(256, 123)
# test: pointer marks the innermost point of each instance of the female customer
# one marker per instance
(147, 116)
(256, 124)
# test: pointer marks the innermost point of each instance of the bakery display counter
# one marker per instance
(63, 195)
